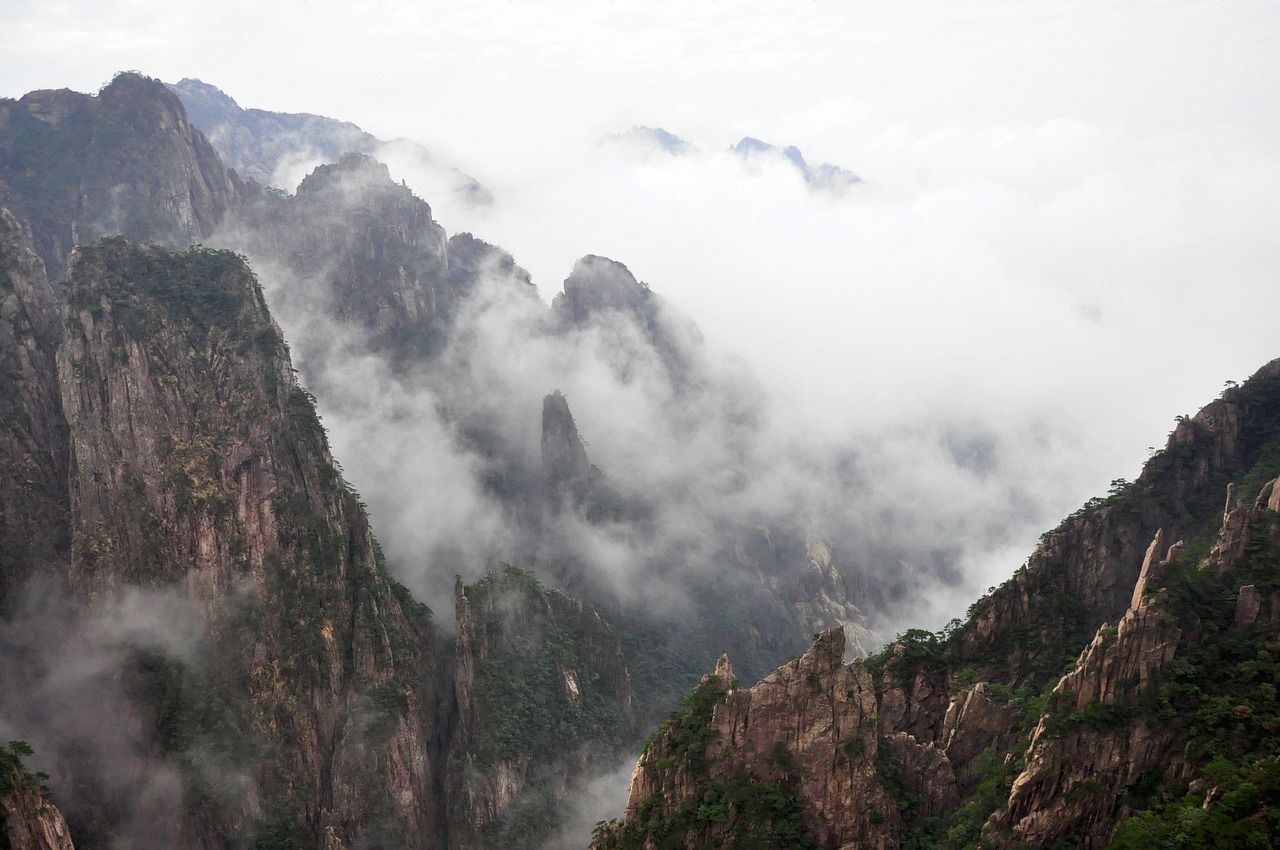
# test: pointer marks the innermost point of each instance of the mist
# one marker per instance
(862, 447)
(65, 675)
(1063, 290)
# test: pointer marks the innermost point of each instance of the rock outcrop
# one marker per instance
(28, 821)
(1084, 572)
(794, 757)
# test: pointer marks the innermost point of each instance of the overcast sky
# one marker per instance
(1068, 224)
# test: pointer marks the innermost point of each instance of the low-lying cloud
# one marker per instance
(1063, 290)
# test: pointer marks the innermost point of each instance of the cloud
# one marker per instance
(65, 668)
(1062, 290)
(599, 797)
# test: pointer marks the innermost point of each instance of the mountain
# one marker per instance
(174, 521)
(823, 176)
(270, 147)
(441, 316)
(203, 643)
(1162, 731)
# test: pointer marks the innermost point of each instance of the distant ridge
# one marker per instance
(823, 176)
(257, 143)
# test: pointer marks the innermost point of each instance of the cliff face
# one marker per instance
(1185, 681)
(544, 700)
(126, 161)
(1084, 572)
(197, 467)
(799, 758)
(34, 522)
(28, 821)
(1164, 726)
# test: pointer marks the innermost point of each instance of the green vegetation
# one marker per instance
(283, 832)
(537, 691)
(1241, 811)
(200, 289)
(742, 813)
(994, 777)
(14, 776)
(686, 733)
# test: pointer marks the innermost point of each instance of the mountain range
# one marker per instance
(209, 638)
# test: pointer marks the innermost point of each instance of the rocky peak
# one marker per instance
(806, 737)
(75, 167)
(566, 472)
(260, 144)
(363, 247)
(202, 100)
(604, 294)
(354, 171)
(28, 820)
(598, 285)
(472, 260)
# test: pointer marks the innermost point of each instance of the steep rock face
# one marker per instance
(1084, 572)
(1109, 725)
(1077, 769)
(974, 723)
(566, 472)
(543, 699)
(604, 292)
(34, 529)
(126, 161)
(826, 597)
(794, 757)
(198, 465)
(473, 260)
(27, 819)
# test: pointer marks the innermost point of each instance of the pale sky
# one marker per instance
(1069, 220)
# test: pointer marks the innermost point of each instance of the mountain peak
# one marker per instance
(598, 284)
(654, 138)
(822, 176)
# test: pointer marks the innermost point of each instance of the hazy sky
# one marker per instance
(1068, 227)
